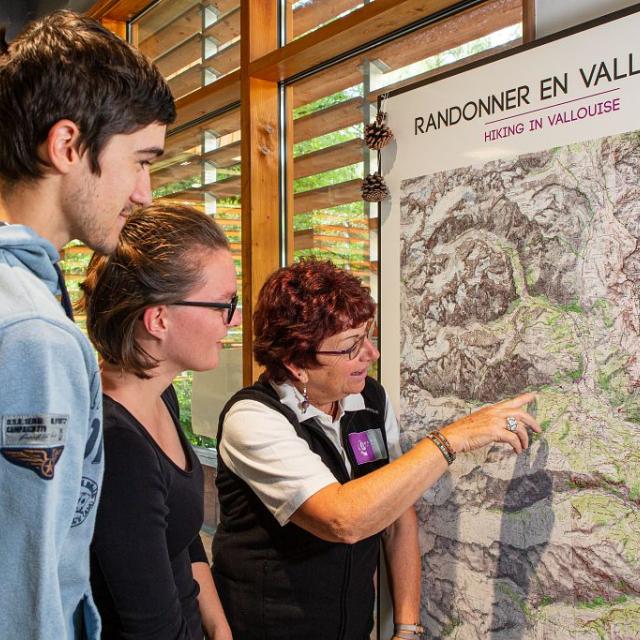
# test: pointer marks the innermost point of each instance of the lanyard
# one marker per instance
(65, 300)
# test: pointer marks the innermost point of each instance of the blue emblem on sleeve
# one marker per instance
(88, 495)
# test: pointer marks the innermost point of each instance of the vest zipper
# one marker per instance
(346, 577)
(345, 587)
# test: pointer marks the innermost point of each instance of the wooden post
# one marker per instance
(119, 27)
(288, 133)
(528, 20)
(260, 152)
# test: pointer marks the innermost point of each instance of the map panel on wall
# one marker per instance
(517, 255)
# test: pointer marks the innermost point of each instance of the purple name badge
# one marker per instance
(367, 446)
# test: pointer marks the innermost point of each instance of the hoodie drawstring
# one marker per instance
(65, 300)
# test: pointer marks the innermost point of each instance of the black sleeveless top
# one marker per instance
(279, 583)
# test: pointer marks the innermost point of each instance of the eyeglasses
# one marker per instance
(231, 306)
(354, 350)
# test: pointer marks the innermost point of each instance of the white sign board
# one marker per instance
(510, 261)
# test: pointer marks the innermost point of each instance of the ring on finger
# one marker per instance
(512, 424)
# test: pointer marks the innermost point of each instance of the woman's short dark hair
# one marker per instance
(68, 66)
(157, 261)
(301, 305)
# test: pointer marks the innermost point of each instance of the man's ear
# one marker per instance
(61, 149)
(297, 373)
(155, 321)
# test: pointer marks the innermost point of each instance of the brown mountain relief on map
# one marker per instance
(524, 274)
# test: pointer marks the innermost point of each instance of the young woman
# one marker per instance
(160, 304)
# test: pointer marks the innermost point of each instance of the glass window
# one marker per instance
(193, 43)
(201, 168)
(330, 109)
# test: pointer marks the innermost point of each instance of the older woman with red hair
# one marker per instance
(310, 472)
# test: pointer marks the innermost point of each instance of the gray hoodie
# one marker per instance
(51, 454)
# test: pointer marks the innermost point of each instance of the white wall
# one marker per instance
(555, 15)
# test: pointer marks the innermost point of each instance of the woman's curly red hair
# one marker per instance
(301, 305)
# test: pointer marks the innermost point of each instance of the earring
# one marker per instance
(304, 405)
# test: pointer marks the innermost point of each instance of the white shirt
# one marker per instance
(262, 448)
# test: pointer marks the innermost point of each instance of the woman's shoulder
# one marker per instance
(123, 433)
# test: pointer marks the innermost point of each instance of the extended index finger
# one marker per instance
(518, 401)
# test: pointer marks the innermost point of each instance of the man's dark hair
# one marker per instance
(67, 66)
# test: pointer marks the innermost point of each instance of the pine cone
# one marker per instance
(374, 188)
(377, 134)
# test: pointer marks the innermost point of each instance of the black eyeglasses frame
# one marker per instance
(231, 306)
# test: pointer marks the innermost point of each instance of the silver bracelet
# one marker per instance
(408, 631)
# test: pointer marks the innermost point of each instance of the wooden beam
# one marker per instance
(226, 27)
(333, 118)
(186, 82)
(260, 167)
(225, 60)
(528, 20)
(229, 222)
(311, 239)
(220, 189)
(224, 188)
(289, 140)
(117, 9)
(434, 73)
(186, 166)
(209, 98)
(119, 27)
(222, 6)
(309, 16)
(357, 227)
(190, 138)
(479, 21)
(325, 197)
(184, 67)
(182, 55)
(162, 15)
(337, 38)
(185, 25)
(334, 157)
(191, 198)
(226, 156)
(439, 37)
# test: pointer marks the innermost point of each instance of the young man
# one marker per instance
(82, 116)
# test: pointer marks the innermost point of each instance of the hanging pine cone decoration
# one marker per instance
(377, 134)
(374, 188)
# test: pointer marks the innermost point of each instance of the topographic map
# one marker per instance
(518, 275)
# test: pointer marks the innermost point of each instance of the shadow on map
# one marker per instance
(527, 522)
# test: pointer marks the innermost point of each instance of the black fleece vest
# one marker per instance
(284, 583)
